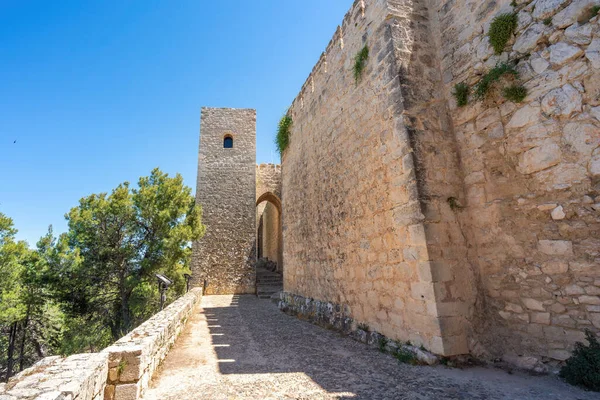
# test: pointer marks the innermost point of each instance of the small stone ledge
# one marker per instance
(336, 317)
(133, 359)
(81, 377)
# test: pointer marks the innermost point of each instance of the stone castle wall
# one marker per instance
(451, 227)
(226, 190)
(352, 219)
(531, 172)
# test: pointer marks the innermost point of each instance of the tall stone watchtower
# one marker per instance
(226, 190)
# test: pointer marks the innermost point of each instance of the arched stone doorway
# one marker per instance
(269, 236)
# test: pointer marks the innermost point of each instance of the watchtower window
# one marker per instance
(228, 142)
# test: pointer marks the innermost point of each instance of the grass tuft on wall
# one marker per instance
(461, 94)
(360, 63)
(501, 30)
(483, 87)
(515, 93)
(282, 140)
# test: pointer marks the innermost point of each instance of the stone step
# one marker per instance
(268, 289)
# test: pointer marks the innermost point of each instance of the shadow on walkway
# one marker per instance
(240, 347)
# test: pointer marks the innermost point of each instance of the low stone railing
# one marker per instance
(133, 359)
(119, 372)
(81, 377)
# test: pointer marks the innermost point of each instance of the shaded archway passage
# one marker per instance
(269, 235)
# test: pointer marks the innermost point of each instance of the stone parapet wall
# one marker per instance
(133, 359)
(78, 377)
(120, 372)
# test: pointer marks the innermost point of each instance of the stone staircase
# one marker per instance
(268, 283)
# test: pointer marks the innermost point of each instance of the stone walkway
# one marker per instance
(240, 347)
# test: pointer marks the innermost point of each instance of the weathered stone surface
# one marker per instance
(81, 376)
(594, 165)
(555, 247)
(555, 267)
(562, 53)
(547, 8)
(529, 39)
(539, 158)
(524, 116)
(534, 304)
(582, 138)
(562, 102)
(539, 65)
(579, 34)
(561, 177)
(592, 53)
(571, 13)
(558, 213)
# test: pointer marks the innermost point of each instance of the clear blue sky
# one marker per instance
(100, 92)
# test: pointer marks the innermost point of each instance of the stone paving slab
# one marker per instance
(240, 347)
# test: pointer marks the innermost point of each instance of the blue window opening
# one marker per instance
(228, 142)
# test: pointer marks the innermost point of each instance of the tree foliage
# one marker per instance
(87, 287)
(116, 243)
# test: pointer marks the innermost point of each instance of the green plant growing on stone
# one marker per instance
(461, 94)
(501, 30)
(583, 367)
(515, 93)
(405, 356)
(548, 21)
(282, 140)
(513, 3)
(121, 366)
(454, 204)
(360, 63)
(595, 10)
(382, 343)
(363, 327)
(484, 85)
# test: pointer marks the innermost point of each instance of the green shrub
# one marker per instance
(461, 94)
(382, 343)
(282, 139)
(405, 356)
(360, 62)
(583, 367)
(501, 30)
(516, 93)
(493, 75)
(548, 21)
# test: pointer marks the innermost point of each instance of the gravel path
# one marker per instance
(240, 347)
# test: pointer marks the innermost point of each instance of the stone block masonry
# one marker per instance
(133, 359)
(467, 230)
(120, 372)
(226, 189)
(78, 377)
